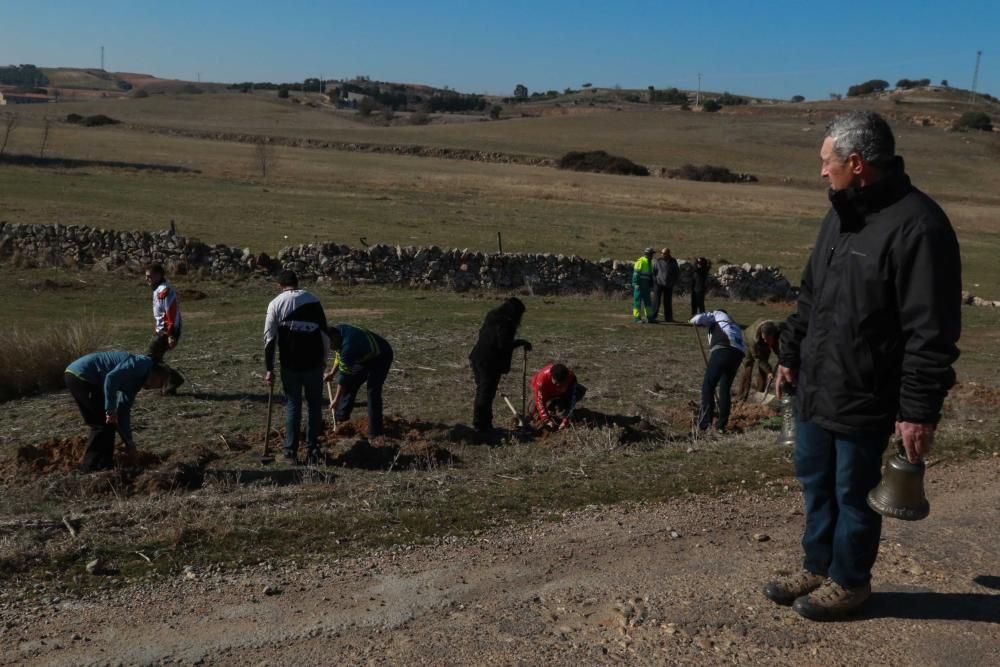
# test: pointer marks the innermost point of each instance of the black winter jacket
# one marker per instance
(495, 347)
(879, 312)
(665, 271)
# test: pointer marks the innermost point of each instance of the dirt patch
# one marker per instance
(415, 455)
(191, 295)
(742, 416)
(973, 393)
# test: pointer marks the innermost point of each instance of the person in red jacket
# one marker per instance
(556, 393)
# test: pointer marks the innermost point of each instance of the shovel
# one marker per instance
(763, 398)
(266, 457)
(521, 424)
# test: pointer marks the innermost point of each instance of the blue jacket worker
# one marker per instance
(104, 385)
(726, 349)
(360, 356)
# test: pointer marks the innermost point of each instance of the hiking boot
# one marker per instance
(290, 458)
(788, 589)
(831, 601)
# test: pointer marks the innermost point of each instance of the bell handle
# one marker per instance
(901, 453)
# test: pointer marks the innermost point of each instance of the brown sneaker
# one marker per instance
(831, 601)
(787, 589)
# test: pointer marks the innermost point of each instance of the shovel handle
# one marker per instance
(270, 404)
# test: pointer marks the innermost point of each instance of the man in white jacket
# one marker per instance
(726, 349)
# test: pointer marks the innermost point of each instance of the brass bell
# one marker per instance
(786, 436)
(900, 494)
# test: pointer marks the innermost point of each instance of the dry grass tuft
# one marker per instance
(34, 361)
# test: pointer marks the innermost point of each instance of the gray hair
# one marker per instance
(865, 133)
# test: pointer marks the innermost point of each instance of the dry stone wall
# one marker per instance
(80, 247)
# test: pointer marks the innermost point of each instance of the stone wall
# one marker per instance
(78, 247)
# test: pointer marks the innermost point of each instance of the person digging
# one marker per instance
(360, 357)
(556, 392)
(104, 386)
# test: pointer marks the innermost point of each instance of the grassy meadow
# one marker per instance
(650, 372)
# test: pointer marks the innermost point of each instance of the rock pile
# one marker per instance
(79, 247)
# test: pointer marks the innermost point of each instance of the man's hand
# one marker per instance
(110, 418)
(550, 424)
(171, 342)
(788, 376)
(269, 378)
(526, 345)
(564, 424)
(917, 439)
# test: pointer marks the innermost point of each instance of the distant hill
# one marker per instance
(84, 82)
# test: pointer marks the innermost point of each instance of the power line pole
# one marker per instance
(102, 57)
(975, 77)
(697, 97)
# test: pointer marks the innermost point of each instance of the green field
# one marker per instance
(315, 194)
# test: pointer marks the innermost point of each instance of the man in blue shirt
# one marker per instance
(361, 356)
(104, 385)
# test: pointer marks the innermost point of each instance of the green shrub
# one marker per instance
(868, 87)
(283, 93)
(601, 162)
(729, 100)
(711, 106)
(709, 173)
(974, 120)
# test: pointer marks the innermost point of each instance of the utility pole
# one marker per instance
(199, 77)
(697, 97)
(102, 57)
(975, 77)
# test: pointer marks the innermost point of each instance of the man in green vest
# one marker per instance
(642, 285)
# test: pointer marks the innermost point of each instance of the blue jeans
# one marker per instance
(836, 472)
(374, 373)
(295, 383)
(721, 371)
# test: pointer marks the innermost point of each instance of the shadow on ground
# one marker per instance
(928, 606)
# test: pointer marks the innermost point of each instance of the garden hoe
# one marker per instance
(266, 457)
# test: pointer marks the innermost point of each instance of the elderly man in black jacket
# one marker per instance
(491, 357)
(665, 274)
(870, 349)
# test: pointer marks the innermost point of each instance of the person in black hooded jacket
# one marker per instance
(870, 350)
(491, 357)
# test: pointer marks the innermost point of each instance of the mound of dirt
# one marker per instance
(415, 455)
(64, 455)
(143, 473)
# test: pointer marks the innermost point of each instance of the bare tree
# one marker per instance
(46, 124)
(264, 156)
(9, 123)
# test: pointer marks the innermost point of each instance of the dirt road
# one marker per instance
(665, 584)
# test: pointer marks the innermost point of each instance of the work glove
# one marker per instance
(551, 425)
(564, 424)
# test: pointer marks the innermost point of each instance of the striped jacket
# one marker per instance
(166, 310)
(296, 326)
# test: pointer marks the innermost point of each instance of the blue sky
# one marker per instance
(775, 49)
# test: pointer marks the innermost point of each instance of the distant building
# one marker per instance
(7, 97)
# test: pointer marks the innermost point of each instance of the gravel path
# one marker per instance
(664, 584)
